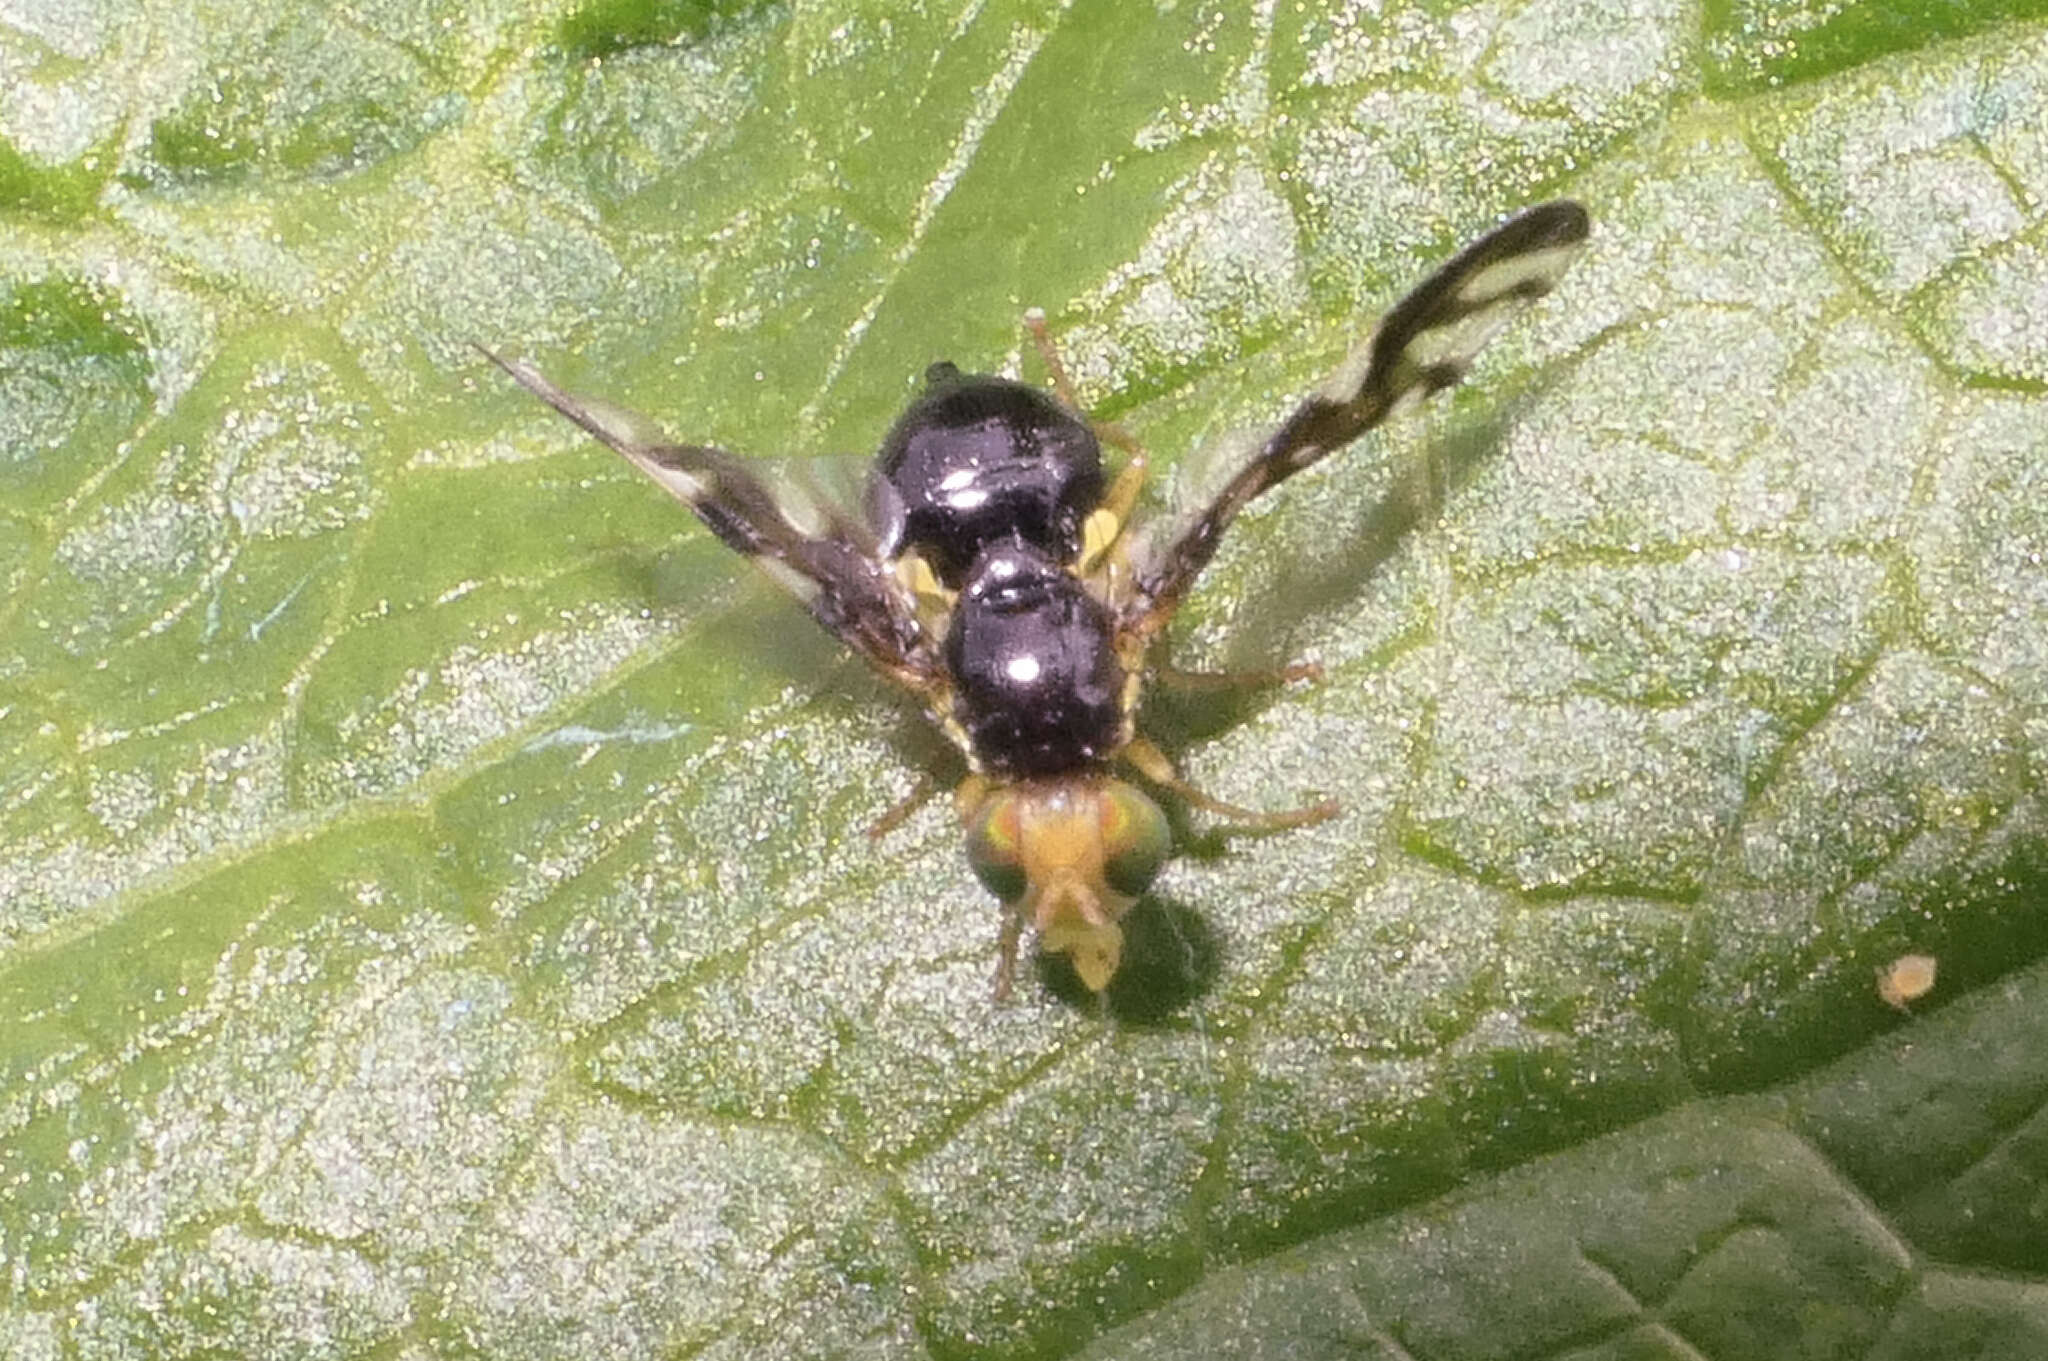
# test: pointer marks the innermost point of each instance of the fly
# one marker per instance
(992, 572)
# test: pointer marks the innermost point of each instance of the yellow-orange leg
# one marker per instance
(968, 794)
(1208, 682)
(1122, 496)
(1149, 761)
(1006, 955)
(899, 813)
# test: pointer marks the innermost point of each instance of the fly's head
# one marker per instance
(1070, 856)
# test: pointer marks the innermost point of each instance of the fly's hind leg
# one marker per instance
(1122, 496)
(921, 789)
(1149, 761)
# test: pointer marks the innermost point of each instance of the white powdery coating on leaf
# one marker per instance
(1087, 1165)
(167, 814)
(1928, 212)
(1895, 164)
(1838, 467)
(121, 799)
(1223, 262)
(58, 121)
(424, 1078)
(288, 1297)
(1981, 550)
(1362, 43)
(2012, 112)
(1877, 804)
(651, 116)
(1399, 963)
(1723, 371)
(1589, 53)
(82, 33)
(472, 697)
(142, 540)
(290, 464)
(1606, 723)
(628, 1234)
(1543, 499)
(1999, 316)
(1403, 168)
(528, 271)
(348, 1102)
(30, 1337)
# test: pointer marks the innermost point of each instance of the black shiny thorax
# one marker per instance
(1036, 681)
(978, 459)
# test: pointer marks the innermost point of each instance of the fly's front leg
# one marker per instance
(1006, 955)
(968, 797)
(1149, 761)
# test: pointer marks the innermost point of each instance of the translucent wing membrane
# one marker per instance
(800, 533)
(1423, 345)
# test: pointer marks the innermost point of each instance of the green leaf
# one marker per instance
(1871, 1209)
(436, 910)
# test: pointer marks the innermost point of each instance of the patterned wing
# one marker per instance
(1425, 344)
(817, 552)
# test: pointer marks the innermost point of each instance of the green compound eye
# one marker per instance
(1135, 838)
(993, 846)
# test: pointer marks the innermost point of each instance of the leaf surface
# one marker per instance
(435, 910)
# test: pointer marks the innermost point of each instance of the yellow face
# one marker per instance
(1071, 856)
